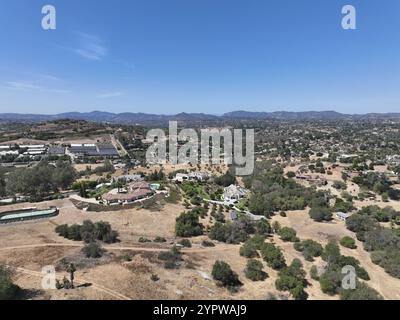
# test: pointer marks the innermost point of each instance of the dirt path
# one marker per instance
(134, 248)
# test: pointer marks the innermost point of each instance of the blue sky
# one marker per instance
(212, 56)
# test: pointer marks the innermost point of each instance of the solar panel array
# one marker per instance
(103, 150)
(107, 150)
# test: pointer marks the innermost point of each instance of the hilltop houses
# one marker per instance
(234, 193)
(199, 176)
(134, 192)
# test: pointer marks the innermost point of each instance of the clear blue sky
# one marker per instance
(213, 56)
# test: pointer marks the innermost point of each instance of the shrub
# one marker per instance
(273, 256)
(206, 243)
(223, 273)
(320, 214)
(171, 258)
(88, 232)
(188, 225)
(314, 273)
(185, 243)
(292, 279)
(93, 250)
(8, 290)
(348, 242)
(287, 234)
(154, 277)
(362, 292)
(276, 226)
(230, 232)
(309, 248)
(330, 281)
(290, 174)
(248, 250)
(331, 253)
(62, 230)
(159, 240)
(254, 270)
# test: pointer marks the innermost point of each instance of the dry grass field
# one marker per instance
(29, 246)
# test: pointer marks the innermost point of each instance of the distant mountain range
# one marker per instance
(144, 118)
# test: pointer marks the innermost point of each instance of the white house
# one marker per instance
(234, 192)
(342, 215)
(198, 175)
(180, 177)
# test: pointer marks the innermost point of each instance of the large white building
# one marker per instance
(234, 193)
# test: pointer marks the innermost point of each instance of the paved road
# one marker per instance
(118, 146)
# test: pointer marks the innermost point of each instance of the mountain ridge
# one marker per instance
(139, 117)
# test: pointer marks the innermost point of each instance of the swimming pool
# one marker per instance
(27, 214)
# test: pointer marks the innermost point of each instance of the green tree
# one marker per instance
(8, 290)
(287, 234)
(223, 273)
(273, 256)
(93, 250)
(71, 269)
(248, 250)
(362, 292)
(348, 242)
(254, 270)
(188, 225)
(320, 214)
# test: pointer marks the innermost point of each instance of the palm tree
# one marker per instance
(71, 270)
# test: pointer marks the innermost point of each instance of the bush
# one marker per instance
(8, 290)
(273, 256)
(348, 242)
(248, 250)
(314, 273)
(188, 225)
(309, 248)
(223, 273)
(171, 258)
(93, 250)
(185, 243)
(276, 226)
(320, 214)
(292, 279)
(231, 232)
(154, 277)
(144, 240)
(331, 253)
(330, 281)
(88, 232)
(362, 292)
(290, 174)
(206, 243)
(254, 270)
(287, 234)
(159, 240)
